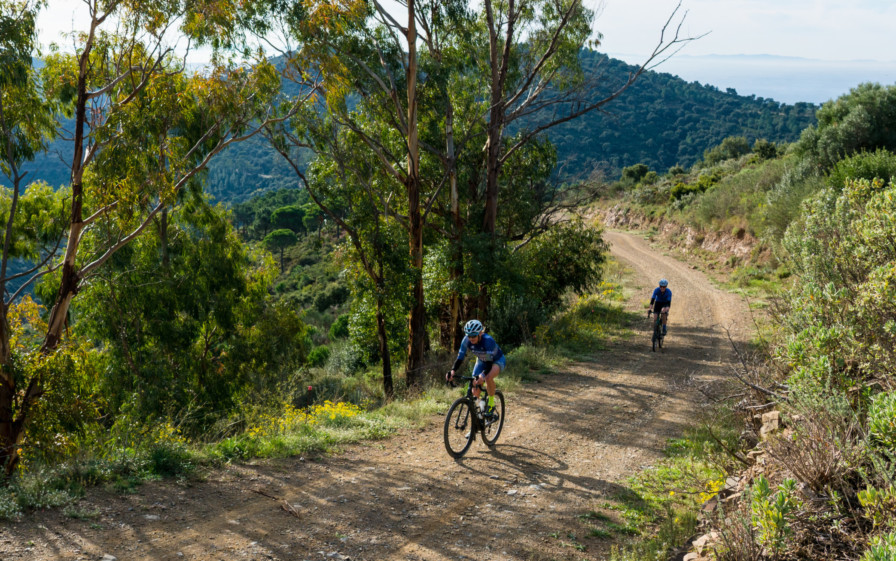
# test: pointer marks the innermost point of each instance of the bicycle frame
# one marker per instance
(465, 418)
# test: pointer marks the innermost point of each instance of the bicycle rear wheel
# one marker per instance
(492, 429)
(458, 431)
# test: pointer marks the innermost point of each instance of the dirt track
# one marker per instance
(567, 446)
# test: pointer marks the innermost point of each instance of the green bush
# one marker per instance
(319, 356)
(339, 329)
(345, 358)
(514, 319)
(882, 421)
(773, 513)
(880, 164)
(731, 147)
(681, 190)
(170, 459)
(881, 548)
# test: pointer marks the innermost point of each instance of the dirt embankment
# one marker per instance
(719, 249)
(568, 445)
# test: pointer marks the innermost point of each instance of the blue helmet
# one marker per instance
(664, 282)
(473, 327)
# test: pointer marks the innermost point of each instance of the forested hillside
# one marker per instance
(661, 121)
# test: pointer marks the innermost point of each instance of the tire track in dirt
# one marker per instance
(568, 444)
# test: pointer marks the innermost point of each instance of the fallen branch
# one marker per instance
(733, 453)
(285, 506)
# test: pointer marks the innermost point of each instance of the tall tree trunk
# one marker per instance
(388, 389)
(457, 260)
(8, 438)
(417, 320)
(68, 286)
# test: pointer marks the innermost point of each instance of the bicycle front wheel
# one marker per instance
(492, 428)
(654, 340)
(458, 430)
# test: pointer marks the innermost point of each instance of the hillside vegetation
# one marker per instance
(817, 399)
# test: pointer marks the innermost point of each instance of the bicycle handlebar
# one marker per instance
(451, 382)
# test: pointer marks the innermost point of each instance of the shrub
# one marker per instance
(633, 174)
(882, 421)
(318, 356)
(731, 147)
(772, 513)
(170, 459)
(345, 358)
(882, 548)
(879, 164)
(514, 319)
(764, 149)
(339, 329)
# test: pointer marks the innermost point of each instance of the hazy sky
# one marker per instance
(820, 29)
(827, 30)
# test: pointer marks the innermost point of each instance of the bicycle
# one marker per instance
(656, 339)
(466, 417)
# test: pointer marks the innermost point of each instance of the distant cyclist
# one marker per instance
(660, 302)
(490, 361)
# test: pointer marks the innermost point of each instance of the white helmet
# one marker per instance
(473, 327)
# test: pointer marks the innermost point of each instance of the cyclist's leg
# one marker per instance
(478, 372)
(497, 367)
(665, 316)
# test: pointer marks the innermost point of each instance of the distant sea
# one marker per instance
(785, 79)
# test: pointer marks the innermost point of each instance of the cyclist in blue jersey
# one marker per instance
(660, 302)
(490, 361)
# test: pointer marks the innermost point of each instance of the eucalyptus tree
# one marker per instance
(534, 80)
(370, 75)
(142, 131)
(31, 220)
(349, 186)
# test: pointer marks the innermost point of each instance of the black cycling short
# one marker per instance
(658, 306)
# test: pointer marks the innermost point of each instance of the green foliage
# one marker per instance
(289, 217)
(567, 257)
(339, 328)
(863, 119)
(879, 164)
(186, 323)
(765, 150)
(881, 548)
(878, 504)
(253, 217)
(318, 356)
(773, 512)
(27, 118)
(633, 174)
(843, 253)
(730, 147)
(278, 241)
(882, 421)
(784, 201)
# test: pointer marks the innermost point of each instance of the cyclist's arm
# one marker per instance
(461, 354)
